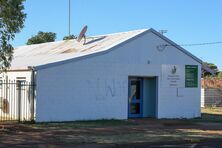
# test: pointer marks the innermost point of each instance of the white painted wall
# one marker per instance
(13, 75)
(97, 87)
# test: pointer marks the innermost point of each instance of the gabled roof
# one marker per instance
(53, 53)
(176, 46)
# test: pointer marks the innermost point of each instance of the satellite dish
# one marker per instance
(82, 34)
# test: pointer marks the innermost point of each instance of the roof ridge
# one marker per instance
(109, 34)
(94, 36)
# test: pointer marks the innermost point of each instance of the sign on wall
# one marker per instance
(173, 75)
(191, 76)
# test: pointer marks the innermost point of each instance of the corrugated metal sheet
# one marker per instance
(41, 54)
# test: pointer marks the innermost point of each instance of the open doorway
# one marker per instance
(142, 99)
(150, 97)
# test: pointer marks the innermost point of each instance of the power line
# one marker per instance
(163, 46)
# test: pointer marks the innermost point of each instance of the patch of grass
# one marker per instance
(210, 118)
(208, 114)
(83, 124)
(178, 122)
(149, 135)
(212, 110)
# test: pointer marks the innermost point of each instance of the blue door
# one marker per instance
(135, 104)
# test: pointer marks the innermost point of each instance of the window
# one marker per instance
(21, 83)
(135, 89)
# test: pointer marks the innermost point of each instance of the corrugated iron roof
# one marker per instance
(46, 53)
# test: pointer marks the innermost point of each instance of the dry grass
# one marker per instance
(212, 110)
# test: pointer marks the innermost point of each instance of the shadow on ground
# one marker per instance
(203, 131)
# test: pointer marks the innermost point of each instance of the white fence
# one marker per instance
(16, 101)
(211, 97)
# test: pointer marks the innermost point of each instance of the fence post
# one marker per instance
(19, 100)
(32, 85)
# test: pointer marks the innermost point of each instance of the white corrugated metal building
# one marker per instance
(138, 73)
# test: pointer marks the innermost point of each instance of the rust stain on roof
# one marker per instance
(41, 54)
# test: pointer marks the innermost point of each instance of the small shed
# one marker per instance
(132, 74)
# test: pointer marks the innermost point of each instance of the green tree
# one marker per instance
(211, 66)
(42, 37)
(220, 74)
(69, 37)
(12, 20)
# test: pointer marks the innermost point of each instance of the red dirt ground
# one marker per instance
(132, 133)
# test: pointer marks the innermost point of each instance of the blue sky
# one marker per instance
(187, 21)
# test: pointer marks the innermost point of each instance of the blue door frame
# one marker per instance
(135, 99)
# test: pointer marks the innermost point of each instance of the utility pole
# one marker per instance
(69, 17)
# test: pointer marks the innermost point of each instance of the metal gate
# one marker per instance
(17, 101)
